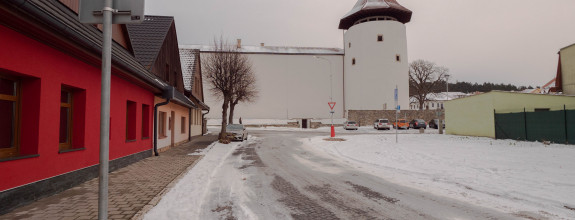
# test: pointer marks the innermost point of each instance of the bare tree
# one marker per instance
(424, 76)
(227, 71)
(244, 90)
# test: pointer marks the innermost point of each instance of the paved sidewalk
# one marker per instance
(132, 191)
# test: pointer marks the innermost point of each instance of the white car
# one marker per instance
(238, 131)
(382, 124)
(350, 125)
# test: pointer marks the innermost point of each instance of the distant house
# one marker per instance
(155, 46)
(435, 100)
(474, 115)
(192, 74)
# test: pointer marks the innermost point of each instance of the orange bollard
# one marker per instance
(332, 131)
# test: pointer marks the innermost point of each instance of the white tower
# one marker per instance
(375, 55)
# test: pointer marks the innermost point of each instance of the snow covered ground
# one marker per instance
(338, 130)
(505, 175)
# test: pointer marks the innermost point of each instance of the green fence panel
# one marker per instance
(546, 126)
(510, 126)
(570, 126)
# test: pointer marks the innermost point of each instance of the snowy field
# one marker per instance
(506, 175)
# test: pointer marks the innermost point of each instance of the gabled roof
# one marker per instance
(188, 60)
(370, 8)
(148, 37)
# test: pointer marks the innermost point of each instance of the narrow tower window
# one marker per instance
(349, 45)
(380, 38)
(353, 61)
(397, 58)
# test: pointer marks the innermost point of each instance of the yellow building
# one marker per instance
(474, 115)
(567, 69)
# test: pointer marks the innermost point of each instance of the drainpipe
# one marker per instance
(156, 124)
(190, 124)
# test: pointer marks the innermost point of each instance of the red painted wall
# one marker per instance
(44, 70)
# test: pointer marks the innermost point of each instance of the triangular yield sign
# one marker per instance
(331, 105)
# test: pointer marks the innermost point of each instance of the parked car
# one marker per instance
(417, 124)
(237, 132)
(381, 124)
(401, 125)
(435, 122)
(350, 125)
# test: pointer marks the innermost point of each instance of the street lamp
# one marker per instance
(331, 90)
(330, 76)
(447, 86)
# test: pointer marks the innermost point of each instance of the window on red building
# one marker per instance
(131, 121)
(65, 119)
(145, 121)
(9, 116)
(72, 118)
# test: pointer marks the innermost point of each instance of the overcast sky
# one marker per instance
(502, 41)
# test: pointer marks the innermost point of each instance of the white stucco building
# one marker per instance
(298, 83)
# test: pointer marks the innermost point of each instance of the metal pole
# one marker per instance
(105, 110)
(396, 122)
(331, 90)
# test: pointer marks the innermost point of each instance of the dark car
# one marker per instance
(417, 123)
(435, 122)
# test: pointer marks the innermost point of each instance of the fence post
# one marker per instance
(565, 123)
(495, 123)
(525, 122)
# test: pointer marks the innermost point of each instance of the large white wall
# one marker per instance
(291, 86)
(370, 83)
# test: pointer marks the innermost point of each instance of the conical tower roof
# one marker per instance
(370, 8)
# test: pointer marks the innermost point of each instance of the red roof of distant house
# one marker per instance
(370, 8)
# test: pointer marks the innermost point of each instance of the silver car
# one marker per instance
(237, 131)
(381, 124)
(350, 125)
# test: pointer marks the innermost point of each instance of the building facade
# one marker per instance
(567, 69)
(50, 86)
(475, 115)
(50, 101)
(298, 83)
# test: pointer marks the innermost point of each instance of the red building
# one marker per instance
(50, 100)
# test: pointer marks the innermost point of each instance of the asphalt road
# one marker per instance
(279, 178)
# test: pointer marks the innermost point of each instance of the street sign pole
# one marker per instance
(331, 106)
(105, 110)
(103, 12)
(396, 112)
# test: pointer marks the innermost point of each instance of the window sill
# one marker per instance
(145, 138)
(19, 157)
(162, 137)
(128, 141)
(70, 150)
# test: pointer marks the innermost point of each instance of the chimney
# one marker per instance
(262, 44)
(239, 43)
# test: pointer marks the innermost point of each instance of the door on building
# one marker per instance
(304, 123)
(172, 122)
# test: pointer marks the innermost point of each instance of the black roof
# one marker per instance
(369, 8)
(148, 37)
